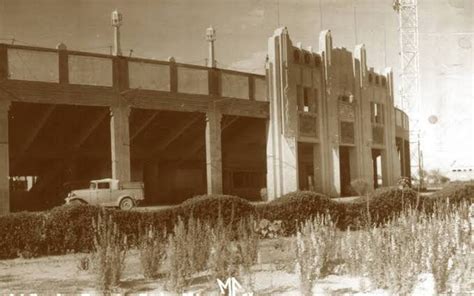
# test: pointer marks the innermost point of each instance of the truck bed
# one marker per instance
(132, 185)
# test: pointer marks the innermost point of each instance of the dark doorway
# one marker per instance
(345, 170)
(244, 156)
(306, 166)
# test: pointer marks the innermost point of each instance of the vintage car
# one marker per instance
(109, 193)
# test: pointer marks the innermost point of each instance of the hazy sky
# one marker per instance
(159, 29)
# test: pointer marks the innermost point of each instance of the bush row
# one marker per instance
(69, 228)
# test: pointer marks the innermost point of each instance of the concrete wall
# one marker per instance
(193, 81)
(260, 91)
(234, 85)
(150, 76)
(33, 65)
(90, 70)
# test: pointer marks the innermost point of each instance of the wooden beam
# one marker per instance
(31, 137)
(173, 136)
(143, 125)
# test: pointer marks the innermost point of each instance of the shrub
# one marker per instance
(151, 246)
(361, 187)
(198, 246)
(247, 240)
(315, 246)
(177, 252)
(208, 207)
(22, 234)
(386, 203)
(294, 208)
(224, 258)
(393, 256)
(131, 223)
(69, 228)
(110, 248)
(456, 193)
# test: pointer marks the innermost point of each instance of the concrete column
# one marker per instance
(317, 167)
(213, 152)
(365, 125)
(4, 159)
(282, 146)
(394, 163)
(331, 117)
(120, 142)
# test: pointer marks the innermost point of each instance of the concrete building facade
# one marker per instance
(314, 121)
(332, 120)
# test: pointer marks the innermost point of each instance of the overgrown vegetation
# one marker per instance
(152, 250)
(216, 237)
(110, 248)
(393, 256)
(67, 228)
(315, 246)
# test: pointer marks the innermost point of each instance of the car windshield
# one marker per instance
(93, 186)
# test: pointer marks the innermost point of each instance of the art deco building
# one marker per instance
(314, 121)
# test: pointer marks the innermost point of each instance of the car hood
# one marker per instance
(79, 192)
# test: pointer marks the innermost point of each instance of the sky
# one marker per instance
(162, 28)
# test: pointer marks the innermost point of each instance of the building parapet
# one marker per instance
(62, 66)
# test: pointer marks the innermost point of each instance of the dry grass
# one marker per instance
(394, 255)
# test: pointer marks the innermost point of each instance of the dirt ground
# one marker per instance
(273, 275)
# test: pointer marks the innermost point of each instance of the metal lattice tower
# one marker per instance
(410, 69)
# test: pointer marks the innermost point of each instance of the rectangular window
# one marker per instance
(376, 113)
(299, 98)
(306, 100)
(316, 101)
(105, 185)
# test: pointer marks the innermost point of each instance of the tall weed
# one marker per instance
(110, 249)
(315, 245)
(151, 247)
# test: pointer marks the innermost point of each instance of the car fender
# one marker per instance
(78, 199)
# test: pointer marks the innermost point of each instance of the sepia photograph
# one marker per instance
(236, 147)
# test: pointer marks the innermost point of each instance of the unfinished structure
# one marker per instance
(314, 121)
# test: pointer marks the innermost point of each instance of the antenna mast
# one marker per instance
(410, 69)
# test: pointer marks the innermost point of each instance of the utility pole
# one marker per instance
(355, 23)
(421, 173)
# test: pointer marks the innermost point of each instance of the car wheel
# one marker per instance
(126, 204)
